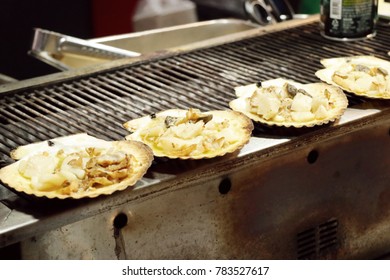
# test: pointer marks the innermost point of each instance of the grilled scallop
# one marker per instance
(191, 134)
(76, 166)
(361, 75)
(287, 103)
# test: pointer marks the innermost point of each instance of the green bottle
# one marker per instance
(309, 7)
(348, 20)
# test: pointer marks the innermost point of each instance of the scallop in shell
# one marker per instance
(287, 103)
(366, 76)
(191, 134)
(76, 166)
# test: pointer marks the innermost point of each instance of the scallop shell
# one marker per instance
(239, 125)
(76, 140)
(11, 177)
(340, 100)
(333, 64)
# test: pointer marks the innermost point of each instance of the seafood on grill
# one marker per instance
(191, 134)
(287, 103)
(76, 166)
(366, 76)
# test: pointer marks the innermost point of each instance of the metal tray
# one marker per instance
(144, 42)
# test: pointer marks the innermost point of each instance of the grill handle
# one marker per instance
(82, 47)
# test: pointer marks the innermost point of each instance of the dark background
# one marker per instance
(19, 17)
(79, 18)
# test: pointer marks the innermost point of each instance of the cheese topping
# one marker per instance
(82, 170)
(76, 166)
(362, 79)
(287, 103)
(361, 75)
(191, 133)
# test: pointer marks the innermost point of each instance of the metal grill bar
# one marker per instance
(20, 114)
(160, 86)
(68, 115)
(119, 107)
(155, 92)
(237, 60)
(186, 85)
(226, 71)
(81, 90)
(100, 103)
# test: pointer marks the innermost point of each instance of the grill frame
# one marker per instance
(24, 220)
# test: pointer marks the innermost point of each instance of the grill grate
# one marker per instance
(100, 103)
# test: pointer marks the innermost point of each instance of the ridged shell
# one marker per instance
(333, 64)
(241, 125)
(11, 177)
(340, 100)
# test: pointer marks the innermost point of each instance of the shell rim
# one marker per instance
(341, 97)
(144, 152)
(246, 128)
(332, 64)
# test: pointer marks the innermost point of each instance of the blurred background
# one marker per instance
(97, 18)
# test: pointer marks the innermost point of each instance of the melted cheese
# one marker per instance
(287, 103)
(361, 75)
(191, 133)
(65, 169)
